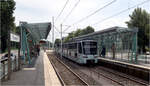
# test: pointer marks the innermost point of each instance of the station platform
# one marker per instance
(40, 74)
(144, 66)
(137, 70)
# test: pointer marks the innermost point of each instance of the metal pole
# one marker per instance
(21, 35)
(53, 32)
(136, 47)
(27, 46)
(49, 39)
(19, 46)
(61, 39)
(49, 45)
(9, 59)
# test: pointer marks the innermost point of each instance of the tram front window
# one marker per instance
(90, 48)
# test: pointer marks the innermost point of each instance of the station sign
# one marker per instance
(14, 37)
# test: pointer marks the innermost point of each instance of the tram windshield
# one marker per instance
(90, 48)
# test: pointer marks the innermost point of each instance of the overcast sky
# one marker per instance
(34, 11)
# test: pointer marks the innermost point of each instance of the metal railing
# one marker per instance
(4, 67)
(144, 58)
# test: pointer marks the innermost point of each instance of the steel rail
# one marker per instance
(69, 70)
(61, 80)
(108, 78)
(72, 71)
(132, 79)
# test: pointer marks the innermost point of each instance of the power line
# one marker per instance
(121, 12)
(95, 12)
(71, 10)
(62, 10)
(67, 28)
(57, 29)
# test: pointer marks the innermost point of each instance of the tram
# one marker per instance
(82, 52)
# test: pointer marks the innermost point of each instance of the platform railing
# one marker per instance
(4, 67)
(145, 58)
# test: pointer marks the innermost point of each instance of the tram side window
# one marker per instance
(75, 46)
(79, 48)
(70, 46)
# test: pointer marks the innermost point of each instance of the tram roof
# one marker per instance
(108, 30)
(38, 31)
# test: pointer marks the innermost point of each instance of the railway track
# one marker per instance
(114, 76)
(121, 79)
(66, 75)
(117, 77)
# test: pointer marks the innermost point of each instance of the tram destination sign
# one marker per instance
(14, 37)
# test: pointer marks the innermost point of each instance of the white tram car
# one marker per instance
(82, 52)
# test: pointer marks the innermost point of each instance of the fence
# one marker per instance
(144, 58)
(4, 67)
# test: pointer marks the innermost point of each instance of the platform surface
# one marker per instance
(41, 74)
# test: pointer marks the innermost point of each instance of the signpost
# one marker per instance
(14, 37)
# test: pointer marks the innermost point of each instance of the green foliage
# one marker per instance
(79, 32)
(7, 20)
(7, 10)
(17, 30)
(87, 30)
(57, 41)
(140, 19)
(70, 36)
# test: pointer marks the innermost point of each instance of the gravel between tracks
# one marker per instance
(78, 69)
(126, 80)
(68, 77)
(92, 80)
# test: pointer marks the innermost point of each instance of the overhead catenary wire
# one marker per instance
(62, 10)
(95, 12)
(56, 29)
(57, 32)
(62, 31)
(67, 28)
(71, 10)
(121, 12)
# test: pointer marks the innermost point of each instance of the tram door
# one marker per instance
(79, 49)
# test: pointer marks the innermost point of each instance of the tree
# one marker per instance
(7, 20)
(87, 30)
(57, 41)
(69, 37)
(140, 19)
(17, 30)
(79, 32)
